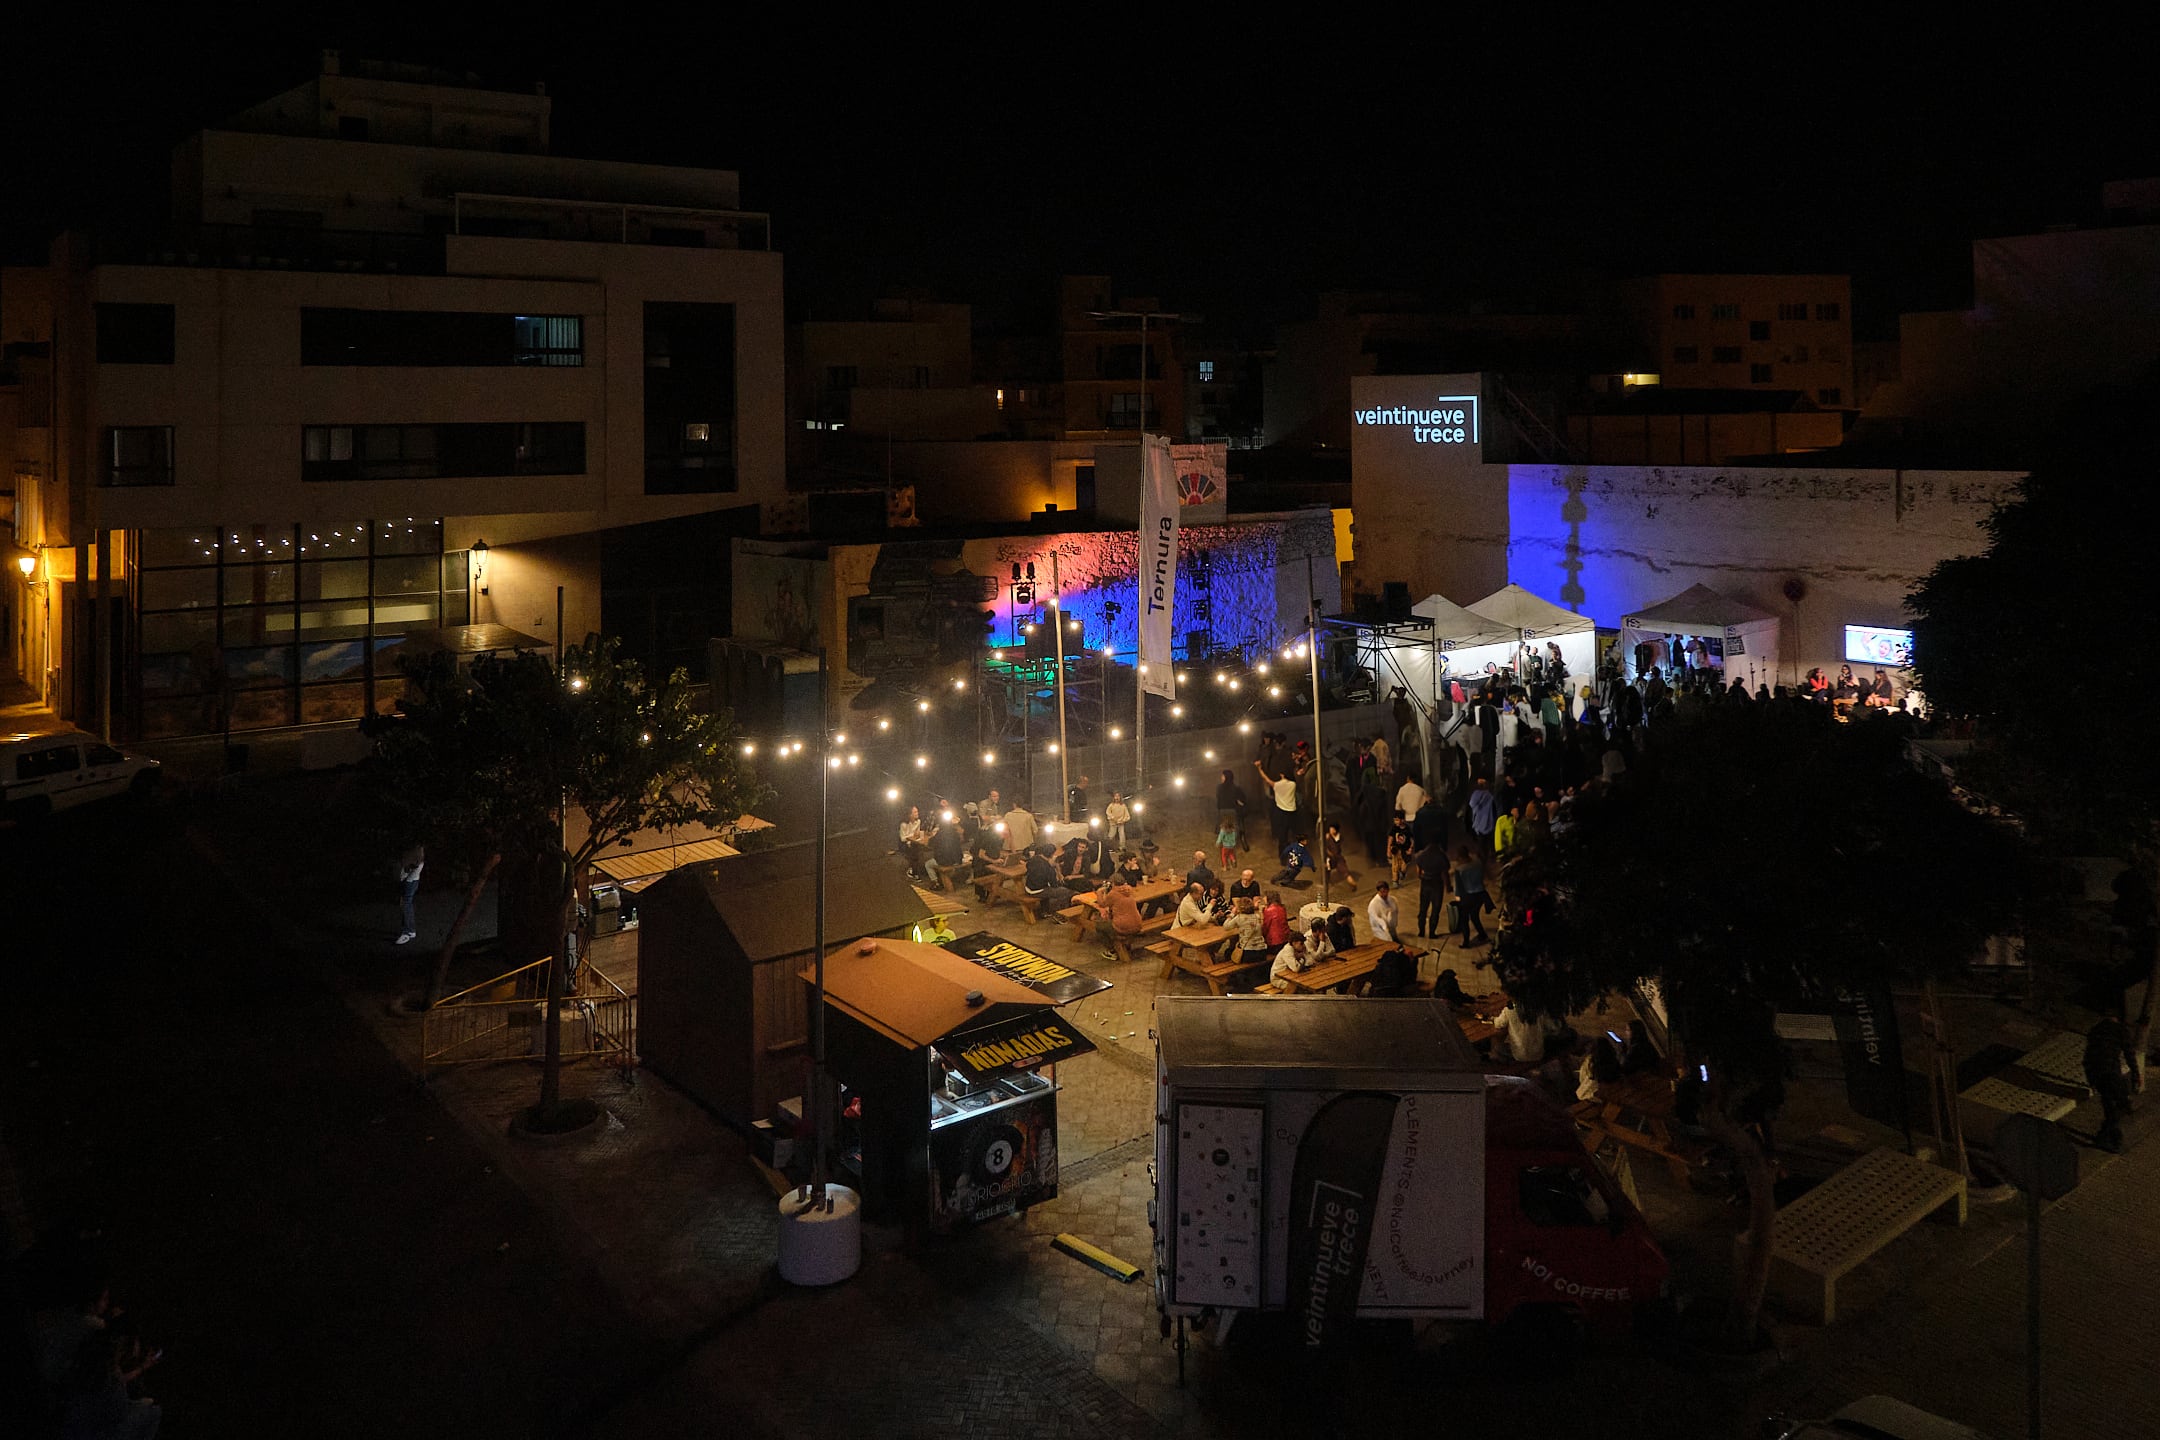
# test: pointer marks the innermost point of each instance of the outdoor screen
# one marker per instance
(1872, 645)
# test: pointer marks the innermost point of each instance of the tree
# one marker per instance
(1760, 857)
(2029, 640)
(515, 748)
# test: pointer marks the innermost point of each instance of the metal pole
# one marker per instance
(1064, 750)
(820, 1082)
(1312, 646)
(2032, 1309)
(1139, 698)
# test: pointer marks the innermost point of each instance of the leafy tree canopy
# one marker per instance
(1759, 857)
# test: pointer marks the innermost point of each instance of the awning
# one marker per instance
(638, 870)
(1018, 1044)
(473, 639)
(1056, 983)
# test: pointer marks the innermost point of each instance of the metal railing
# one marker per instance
(504, 1018)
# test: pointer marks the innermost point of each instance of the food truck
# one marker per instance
(947, 1059)
(1344, 1159)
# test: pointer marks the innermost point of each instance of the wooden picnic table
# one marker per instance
(1648, 1098)
(1347, 966)
(992, 885)
(1193, 951)
(1143, 895)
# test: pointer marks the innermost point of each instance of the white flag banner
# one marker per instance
(1158, 564)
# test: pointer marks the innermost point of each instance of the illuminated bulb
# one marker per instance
(833, 762)
(884, 725)
(959, 684)
(1094, 822)
(1183, 676)
(923, 705)
(1207, 754)
(1072, 625)
(1048, 829)
(1261, 667)
(1177, 710)
(989, 757)
(996, 654)
(1053, 747)
(1137, 807)
(922, 762)
(1108, 652)
(749, 749)
(646, 738)
(1027, 629)
(999, 827)
(945, 815)
(892, 792)
(1244, 727)
(839, 739)
(854, 759)
(1220, 677)
(1143, 669)
(1178, 780)
(1275, 691)
(1233, 684)
(1116, 734)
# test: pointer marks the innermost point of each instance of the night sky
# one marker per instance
(1229, 174)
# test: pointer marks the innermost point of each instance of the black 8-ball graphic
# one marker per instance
(995, 1152)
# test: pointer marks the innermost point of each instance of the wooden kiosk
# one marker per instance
(720, 1012)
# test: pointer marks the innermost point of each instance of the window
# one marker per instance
(1686, 354)
(1833, 395)
(921, 377)
(439, 337)
(1828, 311)
(697, 434)
(840, 377)
(1683, 312)
(1758, 330)
(1792, 310)
(1724, 312)
(1799, 355)
(1125, 411)
(1557, 1195)
(102, 755)
(1725, 354)
(1207, 371)
(134, 334)
(52, 760)
(1758, 374)
(139, 455)
(431, 452)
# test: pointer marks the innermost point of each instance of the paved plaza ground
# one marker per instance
(198, 1051)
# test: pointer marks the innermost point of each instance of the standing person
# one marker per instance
(1383, 758)
(1469, 880)
(2107, 1064)
(1226, 839)
(1230, 806)
(1282, 811)
(1401, 845)
(1432, 871)
(1116, 815)
(410, 864)
(1332, 854)
(1019, 828)
(1410, 796)
(1484, 813)
(1428, 824)
(1506, 831)
(990, 809)
(1076, 802)
(1383, 916)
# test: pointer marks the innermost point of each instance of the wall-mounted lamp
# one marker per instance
(27, 564)
(479, 564)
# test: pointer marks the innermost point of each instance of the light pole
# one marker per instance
(1057, 604)
(1312, 647)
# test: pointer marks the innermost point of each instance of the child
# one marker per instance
(1226, 842)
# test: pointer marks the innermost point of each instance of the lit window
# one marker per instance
(699, 434)
(1639, 378)
(1207, 371)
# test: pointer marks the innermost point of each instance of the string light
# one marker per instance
(840, 739)
(923, 705)
(1178, 780)
(1274, 692)
(833, 761)
(1116, 734)
(854, 759)
(1207, 754)
(922, 762)
(892, 792)
(959, 685)
(946, 816)
(1053, 748)
(884, 725)
(1138, 806)
(989, 757)
(1244, 727)
(1176, 711)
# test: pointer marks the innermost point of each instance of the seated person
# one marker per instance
(1880, 692)
(1150, 859)
(1341, 928)
(1071, 860)
(1525, 1034)
(1120, 919)
(1246, 886)
(948, 854)
(988, 851)
(1248, 933)
(1447, 987)
(1195, 908)
(1275, 922)
(1129, 869)
(1393, 973)
(1200, 874)
(915, 844)
(1319, 945)
(1296, 860)
(1041, 873)
(1290, 960)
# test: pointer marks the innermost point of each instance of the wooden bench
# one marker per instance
(1829, 1231)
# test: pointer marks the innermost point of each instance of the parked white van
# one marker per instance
(43, 773)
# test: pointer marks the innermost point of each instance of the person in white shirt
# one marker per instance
(1193, 909)
(1318, 946)
(1381, 914)
(1019, 829)
(915, 842)
(1288, 961)
(1409, 797)
(1116, 816)
(1526, 1034)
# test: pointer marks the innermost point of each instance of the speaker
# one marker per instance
(1395, 600)
(1366, 606)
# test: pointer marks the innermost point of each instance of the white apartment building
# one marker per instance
(254, 450)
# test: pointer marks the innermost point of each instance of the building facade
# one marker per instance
(382, 327)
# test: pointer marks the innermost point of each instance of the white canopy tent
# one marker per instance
(1526, 621)
(1747, 635)
(1422, 666)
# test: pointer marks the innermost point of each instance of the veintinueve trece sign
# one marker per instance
(1451, 420)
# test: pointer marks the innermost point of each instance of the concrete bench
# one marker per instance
(1828, 1232)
